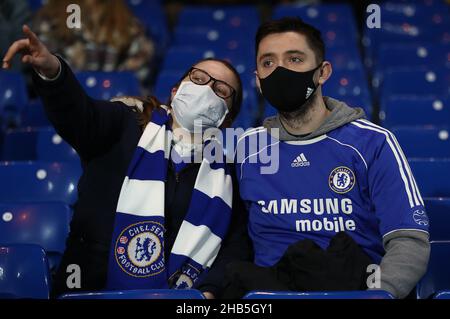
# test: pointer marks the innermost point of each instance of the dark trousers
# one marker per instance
(92, 258)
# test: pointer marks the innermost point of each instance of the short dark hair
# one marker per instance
(294, 24)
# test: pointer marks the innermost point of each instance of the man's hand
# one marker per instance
(34, 52)
(208, 295)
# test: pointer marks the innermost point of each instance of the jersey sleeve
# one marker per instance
(393, 190)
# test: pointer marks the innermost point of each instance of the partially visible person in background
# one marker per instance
(110, 39)
(13, 14)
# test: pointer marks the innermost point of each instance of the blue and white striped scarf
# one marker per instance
(137, 250)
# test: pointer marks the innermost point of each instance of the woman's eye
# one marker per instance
(199, 79)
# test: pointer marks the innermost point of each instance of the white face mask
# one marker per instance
(198, 103)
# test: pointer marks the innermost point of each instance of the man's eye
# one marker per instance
(267, 63)
(296, 60)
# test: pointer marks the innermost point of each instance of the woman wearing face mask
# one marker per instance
(145, 217)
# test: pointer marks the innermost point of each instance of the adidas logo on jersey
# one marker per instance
(300, 161)
(309, 91)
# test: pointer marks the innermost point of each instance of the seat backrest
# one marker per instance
(438, 211)
(107, 85)
(420, 81)
(232, 17)
(37, 144)
(415, 111)
(432, 176)
(372, 294)
(39, 182)
(138, 294)
(43, 224)
(437, 276)
(23, 272)
(424, 142)
(13, 93)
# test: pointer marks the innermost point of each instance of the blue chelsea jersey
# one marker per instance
(354, 179)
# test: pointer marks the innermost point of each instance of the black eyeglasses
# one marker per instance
(219, 87)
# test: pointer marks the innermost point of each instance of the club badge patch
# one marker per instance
(420, 217)
(139, 251)
(341, 180)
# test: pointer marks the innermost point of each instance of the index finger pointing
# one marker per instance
(30, 34)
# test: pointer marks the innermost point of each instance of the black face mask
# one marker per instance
(288, 90)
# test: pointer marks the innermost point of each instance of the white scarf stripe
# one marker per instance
(153, 132)
(197, 242)
(206, 184)
(134, 198)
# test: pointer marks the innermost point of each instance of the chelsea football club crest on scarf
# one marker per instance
(139, 250)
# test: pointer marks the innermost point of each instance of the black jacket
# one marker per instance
(105, 135)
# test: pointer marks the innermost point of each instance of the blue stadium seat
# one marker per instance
(215, 38)
(249, 113)
(344, 58)
(34, 115)
(165, 81)
(138, 294)
(106, 85)
(43, 224)
(231, 17)
(432, 176)
(438, 211)
(394, 33)
(23, 272)
(374, 294)
(335, 21)
(419, 13)
(152, 16)
(351, 87)
(39, 182)
(42, 144)
(415, 111)
(437, 277)
(13, 97)
(337, 16)
(35, 5)
(413, 55)
(180, 58)
(420, 81)
(424, 142)
(442, 295)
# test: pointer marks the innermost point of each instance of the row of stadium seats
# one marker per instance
(44, 144)
(24, 273)
(202, 28)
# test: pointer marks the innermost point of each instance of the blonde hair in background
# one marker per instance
(107, 21)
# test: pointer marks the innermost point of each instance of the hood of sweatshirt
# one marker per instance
(341, 114)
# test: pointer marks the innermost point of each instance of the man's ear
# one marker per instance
(258, 83)
(325, 72)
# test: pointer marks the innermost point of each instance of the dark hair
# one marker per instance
(294, 24)
(150, 103)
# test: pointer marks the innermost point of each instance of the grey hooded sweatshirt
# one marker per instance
(406, 251)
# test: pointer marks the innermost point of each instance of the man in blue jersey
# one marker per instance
(337, 171)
